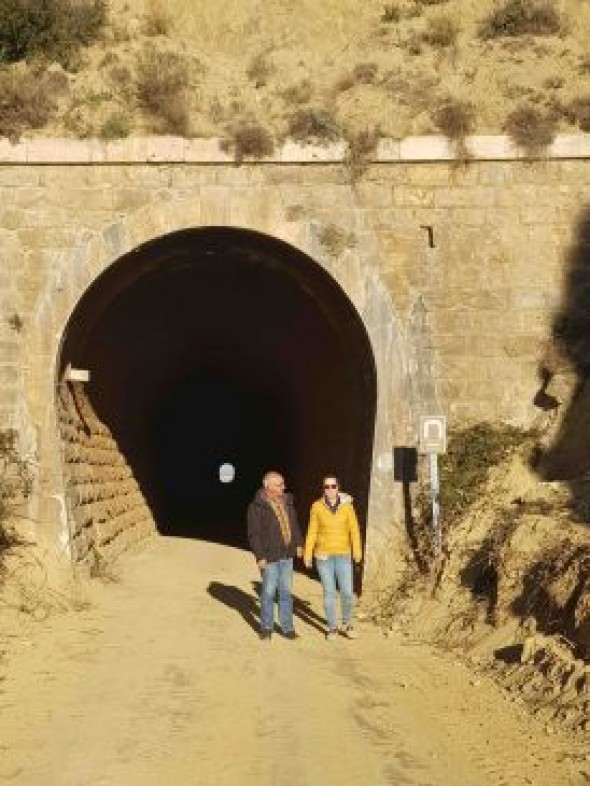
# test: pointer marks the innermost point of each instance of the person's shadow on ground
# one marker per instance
(248, 605)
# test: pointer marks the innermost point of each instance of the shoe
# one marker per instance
(349, 631)
(331, 635)
(291, 634)
(265, 635)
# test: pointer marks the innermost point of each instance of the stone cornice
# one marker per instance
(177, 150)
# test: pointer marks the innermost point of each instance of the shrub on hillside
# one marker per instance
(157, 20)
(471, 453)
(51, 28)
(521, 17)
(441, 30)
(299, 93)
(530, 129)
(15, 486)
(249, 140)
(24, 102)
(116, 126)
(455, 119)
(361, 146)
(313, 125)
(391, 13)
(162, 78)
(579, 110)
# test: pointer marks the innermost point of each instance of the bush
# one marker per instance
(361, 147)
(24, 102)
(442, 30)
(530, 129)
(365, 73)
(579, 110)
(299, 93)
(313, 125)
(521, 17)
(249, 140)
(52, 28)
(15, 485)
(471, 453)
(260, 70)
(116, 126)
(391, 13)
(161, 88)
(157, 20)
(455, 119)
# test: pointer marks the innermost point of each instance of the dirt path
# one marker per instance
(162, 680)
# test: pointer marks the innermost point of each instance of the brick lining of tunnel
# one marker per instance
(107, 511)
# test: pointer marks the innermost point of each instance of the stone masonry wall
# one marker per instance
(107, 510)
(455, 268)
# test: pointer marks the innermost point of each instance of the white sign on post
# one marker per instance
(433, 434)
(433, 440)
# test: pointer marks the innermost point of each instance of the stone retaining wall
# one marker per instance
(107, 511)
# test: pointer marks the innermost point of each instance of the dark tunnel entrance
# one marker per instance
(223, 346)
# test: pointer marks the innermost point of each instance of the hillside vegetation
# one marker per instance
(256, 73)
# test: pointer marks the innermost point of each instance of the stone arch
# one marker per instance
(353, 268)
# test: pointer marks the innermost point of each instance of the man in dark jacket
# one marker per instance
(275, 538)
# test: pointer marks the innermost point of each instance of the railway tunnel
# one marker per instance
(219, 347)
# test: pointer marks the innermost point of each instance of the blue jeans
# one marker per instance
(336, 571)
(277, 576)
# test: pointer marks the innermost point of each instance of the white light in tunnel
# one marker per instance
(227, 473)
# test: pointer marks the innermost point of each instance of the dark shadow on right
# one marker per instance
(566, 364)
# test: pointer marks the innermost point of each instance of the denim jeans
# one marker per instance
(277, 576)
(336, 571)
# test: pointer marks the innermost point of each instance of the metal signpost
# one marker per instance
(433, 440)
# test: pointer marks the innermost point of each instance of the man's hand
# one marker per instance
(300, 551)
(261, 564)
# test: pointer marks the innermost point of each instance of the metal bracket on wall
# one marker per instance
(430, 231)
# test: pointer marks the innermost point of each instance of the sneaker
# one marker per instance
(265, 635)
(291, 634)
(349, 631)
(331, 635)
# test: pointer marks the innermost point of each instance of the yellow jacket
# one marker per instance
(333, 534)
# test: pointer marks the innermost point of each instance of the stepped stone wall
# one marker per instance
(457, 270)
(107, 512)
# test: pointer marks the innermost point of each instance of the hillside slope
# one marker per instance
(318, 70)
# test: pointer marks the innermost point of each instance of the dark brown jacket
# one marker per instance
(264, 530)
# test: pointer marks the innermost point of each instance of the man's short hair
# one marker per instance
(268, 476)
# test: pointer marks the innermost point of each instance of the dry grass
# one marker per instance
(385, 66)
(441, 31)
(162, 78)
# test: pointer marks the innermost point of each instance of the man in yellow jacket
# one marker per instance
(332, 536)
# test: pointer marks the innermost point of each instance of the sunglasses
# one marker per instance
(330, 485)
